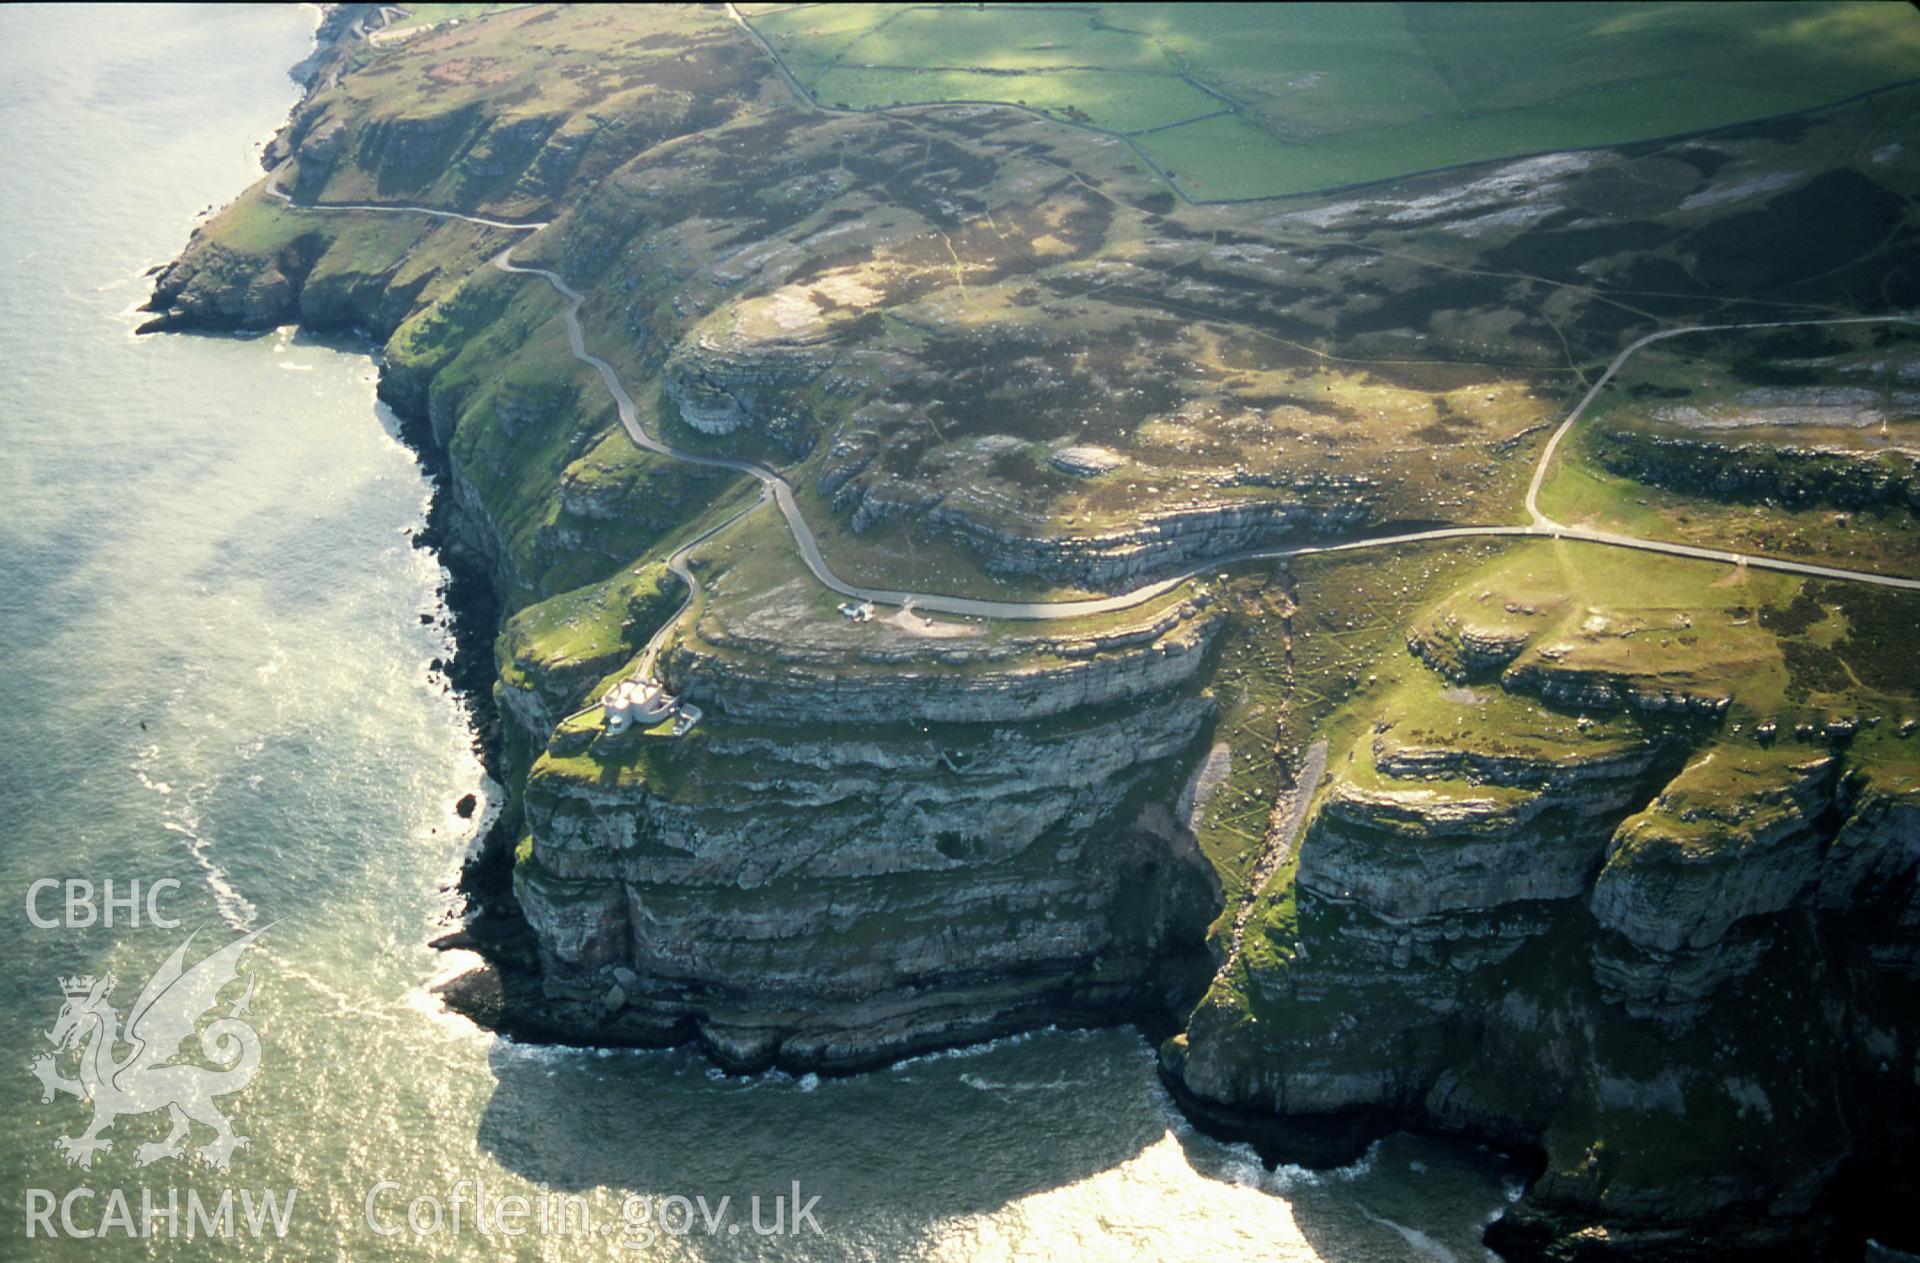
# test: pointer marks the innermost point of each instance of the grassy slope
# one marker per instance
(1284, 682)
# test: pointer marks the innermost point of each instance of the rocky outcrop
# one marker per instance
(1683, 873)
(340, 25)
(408, 152)
(1159, 542)
(801, 693)
(1411, 848)
(302, 280)
(1792, 474)
(708, 408)
(722, 383)
(216, 288)
(1462, 652)
(1608, 691)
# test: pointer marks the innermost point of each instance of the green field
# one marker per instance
(1322, 95)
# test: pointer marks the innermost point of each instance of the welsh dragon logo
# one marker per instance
(148, 1078)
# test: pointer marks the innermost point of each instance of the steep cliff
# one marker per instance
(1635, 936)
(833, 897)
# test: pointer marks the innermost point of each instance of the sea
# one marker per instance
(218, 716)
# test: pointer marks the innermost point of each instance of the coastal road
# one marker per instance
(779, 492)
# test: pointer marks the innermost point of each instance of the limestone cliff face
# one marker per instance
(1691, 1003)
(217, 288)
(826, 897)
(1670, 957)
(1682, 876)
(1408, 851)
(1694, 1045)
(874, 841)
(304, 273)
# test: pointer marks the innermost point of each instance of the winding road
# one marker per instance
(779, 491)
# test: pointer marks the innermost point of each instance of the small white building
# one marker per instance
(857, 611)
(636, 701)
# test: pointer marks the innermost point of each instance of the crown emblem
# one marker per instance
(79, 988)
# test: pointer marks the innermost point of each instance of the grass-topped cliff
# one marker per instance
(1578, 848)
(1614, 858)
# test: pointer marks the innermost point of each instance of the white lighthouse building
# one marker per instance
(635, 701)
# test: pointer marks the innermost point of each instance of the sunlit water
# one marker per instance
(213, 669)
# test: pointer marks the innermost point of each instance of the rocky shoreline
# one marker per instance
(474, 614)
